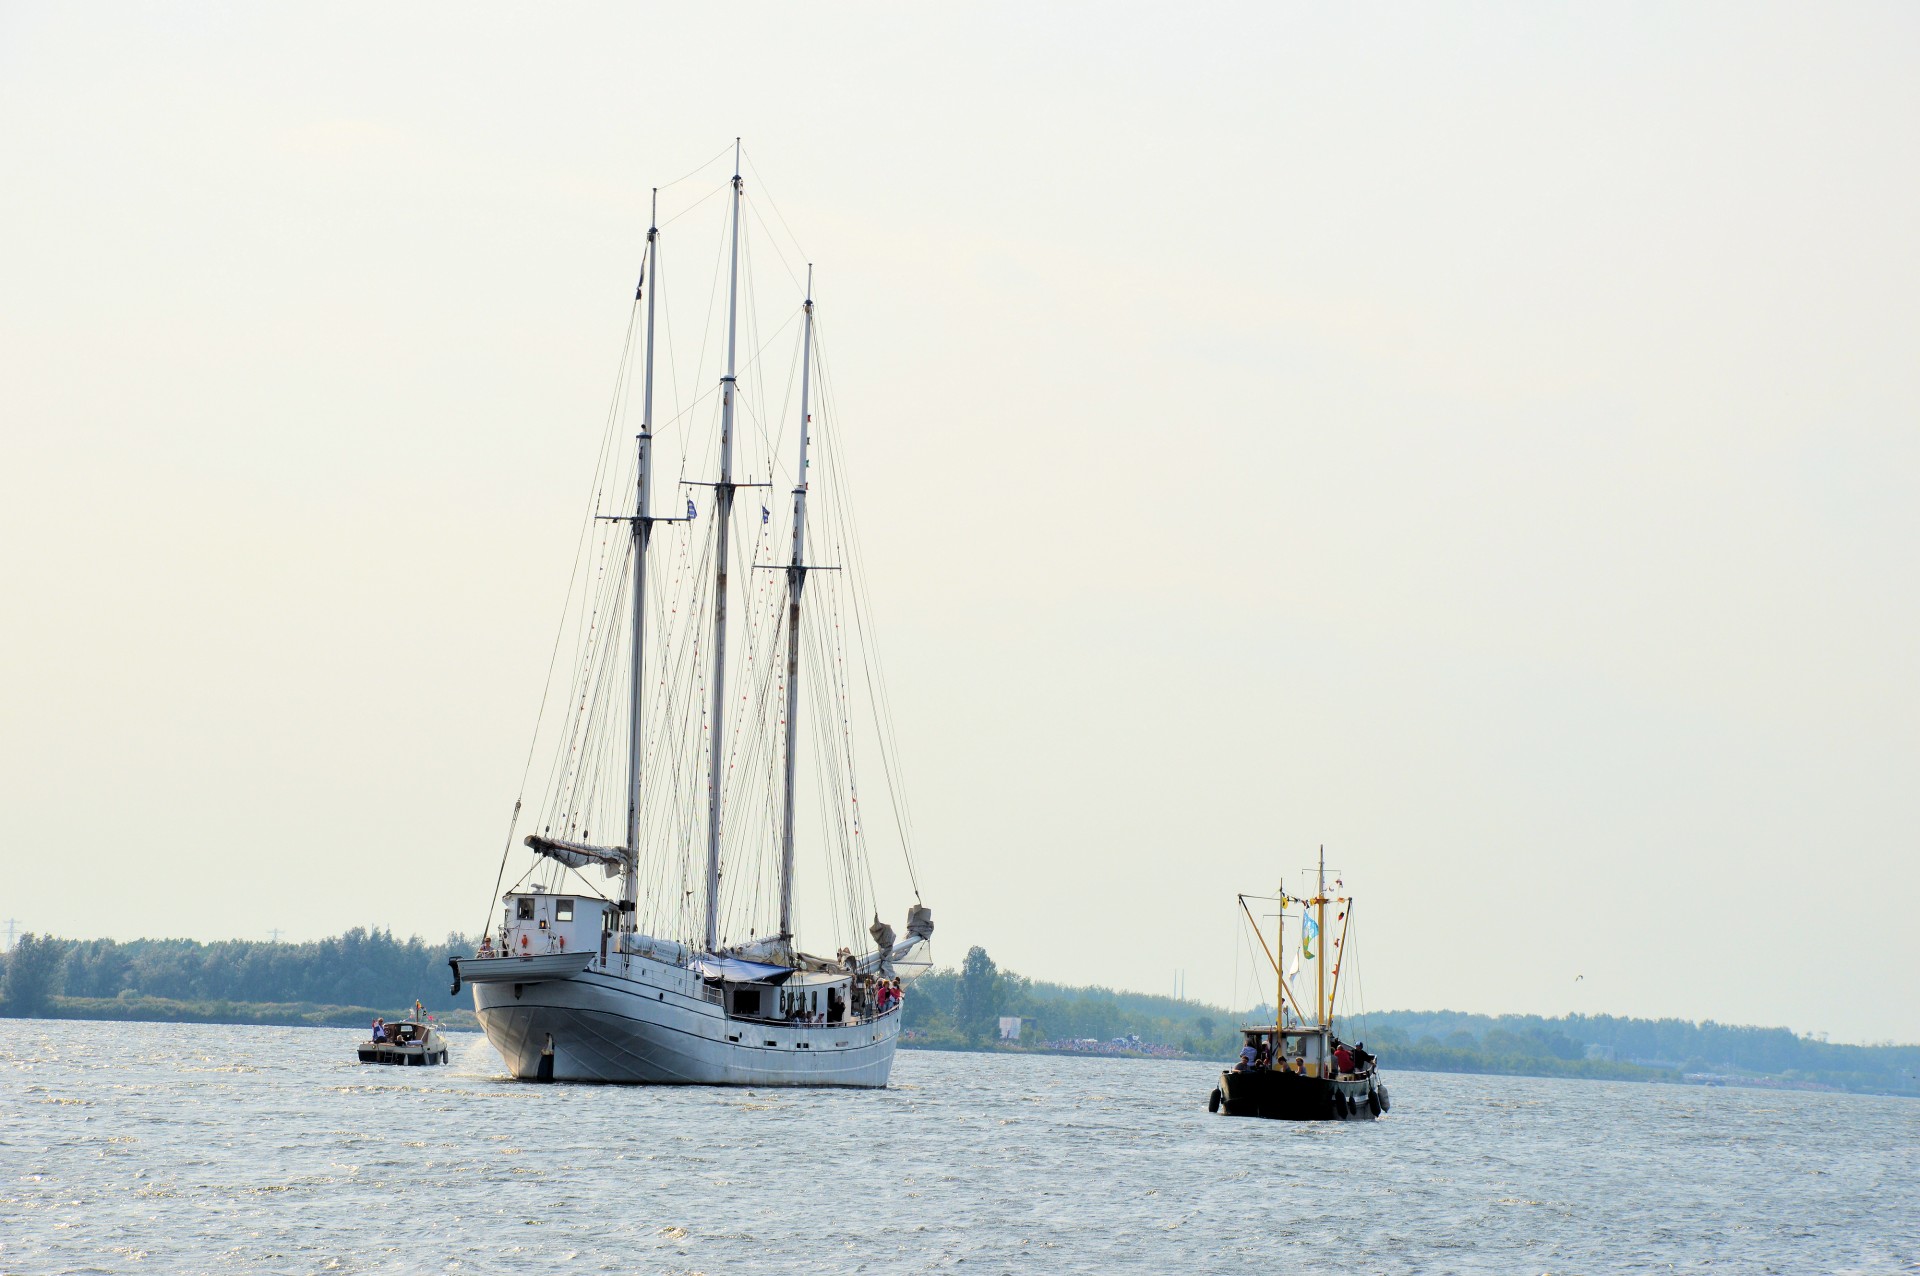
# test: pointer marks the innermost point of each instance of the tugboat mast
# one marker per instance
(796, 582)
(722, 512)
(1320, 961)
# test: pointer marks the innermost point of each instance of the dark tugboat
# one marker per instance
(1297, 1069)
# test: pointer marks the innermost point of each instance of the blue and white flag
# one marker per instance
(1309, 931)
(691, 511)
(764, 515)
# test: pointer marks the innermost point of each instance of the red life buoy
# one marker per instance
(523, 941)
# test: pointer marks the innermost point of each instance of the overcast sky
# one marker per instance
(1479, 438)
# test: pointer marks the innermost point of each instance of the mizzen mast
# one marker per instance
(722, 512)
(796, 582)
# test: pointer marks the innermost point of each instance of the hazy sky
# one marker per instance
(1479, 438)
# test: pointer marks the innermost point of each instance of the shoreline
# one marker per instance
(311, 1015)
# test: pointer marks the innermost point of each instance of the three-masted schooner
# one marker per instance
(570, 984)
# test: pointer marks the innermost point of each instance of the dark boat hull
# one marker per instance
(401, 1057)
(1287, 1096)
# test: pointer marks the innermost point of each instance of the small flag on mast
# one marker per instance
(691, 511)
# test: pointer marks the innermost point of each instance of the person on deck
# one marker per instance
(1248, 1055)
(1343, 1058)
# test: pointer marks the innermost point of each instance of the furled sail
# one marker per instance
(612, 859)
(718, 969)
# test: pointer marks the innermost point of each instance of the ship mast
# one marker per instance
(642, 534)
(796, 582)
(722, 512)
(1320, 959)
(1279, 975)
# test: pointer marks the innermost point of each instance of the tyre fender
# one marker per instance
(1213, 1100)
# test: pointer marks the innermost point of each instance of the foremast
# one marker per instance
(722, 512)
(796, 583)
(642, 535)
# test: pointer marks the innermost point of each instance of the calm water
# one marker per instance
(188, 1148)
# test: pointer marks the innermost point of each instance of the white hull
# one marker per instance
(641, 1022)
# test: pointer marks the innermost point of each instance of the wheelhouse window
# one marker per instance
(526, 910)
(563, 910)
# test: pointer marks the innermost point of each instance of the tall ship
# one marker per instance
(673, 953)
(1298, 1068)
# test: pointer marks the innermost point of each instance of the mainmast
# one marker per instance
(722, 512)
(796, 582)
(642, 534)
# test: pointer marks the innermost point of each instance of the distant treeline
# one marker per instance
(963, 1008)
(335, 980)
(362, 968)
(1446, 1040)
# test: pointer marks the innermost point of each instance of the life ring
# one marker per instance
(1213, 1100)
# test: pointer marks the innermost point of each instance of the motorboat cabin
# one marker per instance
(414, 1042)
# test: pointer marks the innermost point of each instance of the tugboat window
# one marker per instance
(563, 910)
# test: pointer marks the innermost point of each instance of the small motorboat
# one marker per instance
(412, 1042)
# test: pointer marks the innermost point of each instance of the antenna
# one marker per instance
(13, 929)
(275, 933)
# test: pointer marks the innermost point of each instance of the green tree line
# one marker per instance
(963, 1007)
(368, 967)
(363, 967)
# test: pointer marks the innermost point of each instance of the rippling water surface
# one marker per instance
(193, 1148)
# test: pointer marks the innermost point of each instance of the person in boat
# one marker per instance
(1361, 1059)
(1249, 1053)
(1262, 1058)
(1342, 1057)
(486, 946)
